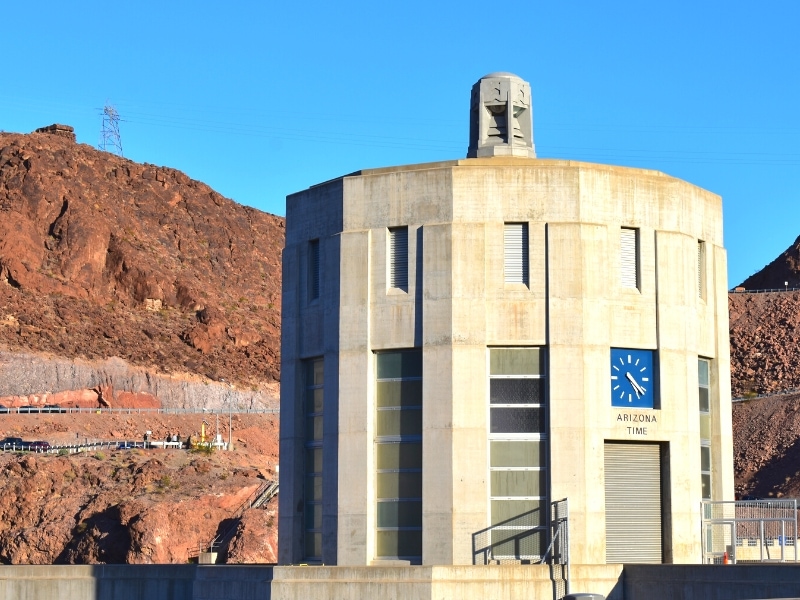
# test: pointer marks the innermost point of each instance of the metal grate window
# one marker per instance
(313, 270)
(515, 244)
(629, 257)
(398, 258)
(701, 269)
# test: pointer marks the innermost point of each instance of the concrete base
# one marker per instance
(263, 582)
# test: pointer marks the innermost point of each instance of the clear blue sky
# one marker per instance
(262, 99)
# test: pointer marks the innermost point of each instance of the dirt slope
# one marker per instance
(765, 339)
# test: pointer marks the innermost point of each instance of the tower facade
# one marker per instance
(466, 342)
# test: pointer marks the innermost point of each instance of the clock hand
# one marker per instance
(636, 387)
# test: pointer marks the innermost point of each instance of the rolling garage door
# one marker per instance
(633, 503)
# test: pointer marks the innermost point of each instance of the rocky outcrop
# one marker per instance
(104, 257)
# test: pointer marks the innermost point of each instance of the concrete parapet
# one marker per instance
(506, 582)
(97, 582)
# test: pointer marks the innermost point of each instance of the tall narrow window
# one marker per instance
(701, 269)
(398, 448)
(398, 258)
(313, 270)
(517, 452)
(704, 393)
(629, 257)
(515, 244)
(312, 510)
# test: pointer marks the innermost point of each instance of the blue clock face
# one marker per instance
(632, 378)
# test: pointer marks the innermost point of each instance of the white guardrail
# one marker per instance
(94, 446)
(27, 410)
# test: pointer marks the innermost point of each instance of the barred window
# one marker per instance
(313, 409)
(704, 393)
(398, 449)
(517, 452)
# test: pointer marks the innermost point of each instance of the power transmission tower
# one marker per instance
(109, 136)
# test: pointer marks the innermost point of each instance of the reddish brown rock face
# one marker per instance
(101, 256)
(135, 506)
(120, 283)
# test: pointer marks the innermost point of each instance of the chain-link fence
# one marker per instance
(749, 531)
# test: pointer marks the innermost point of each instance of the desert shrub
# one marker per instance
(203, 449)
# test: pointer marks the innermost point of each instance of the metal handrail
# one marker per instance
(218, 540)
(558, 527)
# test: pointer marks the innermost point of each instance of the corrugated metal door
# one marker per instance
(633, 503)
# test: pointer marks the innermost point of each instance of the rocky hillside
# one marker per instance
(103, 257)
(765, 356)
(781, 272)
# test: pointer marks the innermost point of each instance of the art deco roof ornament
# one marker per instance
(495, 98)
